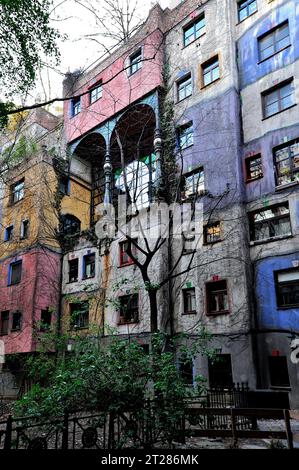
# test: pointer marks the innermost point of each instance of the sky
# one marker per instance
(72, 18)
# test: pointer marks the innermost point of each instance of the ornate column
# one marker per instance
(158, 182)
(108, 179)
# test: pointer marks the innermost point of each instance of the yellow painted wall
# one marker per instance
(78, 203)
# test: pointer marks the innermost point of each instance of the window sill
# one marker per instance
(192, 312)
(183, 99)
(204, 87)
(249, 16)
(85, 278)
(288, 307)
(194, 40)
(272, 55)
(14, 284)
(268, 240)
(212, 243)
(213, 314)
(79, 328)
(125, 265)
(281, 187)
(185, 148)
(250, 180)
(280, 387)
(278, 112)
(127, 322)
(98, 99)
(72, 282)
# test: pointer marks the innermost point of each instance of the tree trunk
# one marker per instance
(152, 293)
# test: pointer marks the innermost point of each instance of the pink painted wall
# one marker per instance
(121, 91)
(38, 289)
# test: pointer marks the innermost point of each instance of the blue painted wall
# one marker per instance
(250, 69)
(269, 316)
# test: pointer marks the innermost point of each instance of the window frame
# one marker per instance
(268, 221)
(45, 326)
(8, 234)
(185, 293)
(83, 324)
(209, 64)
(290, 158)
(205, 234)
(134, 66)
(20, 318)
(192, 24)
(197, 174)
(123, 252)
(277, 89)
(122, 319)
(7, 319)
(182, 84)
(98, 87)
(76, 106)
(248, 2)
(188, 125)
(278, 285)
(209, 284)
(278, 368)
(10, 268)
(24, 235)
(70, 261)
(92, 264)
(272, 33)
(247, 161)
(21, 191)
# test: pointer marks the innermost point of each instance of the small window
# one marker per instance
(135, 61)
(76, 106)
(212, 233)
(185, 135)
(186, 369)
(124, 258)
(88, 266)
(96, 93)
(24, 229)
(70, 225)
(210, 71)
(253, 167)
(278, 371)
(278, 99)
(64, 185)
(246, 8)
(4, 323)
(15, 273)
(193, 184)
(8, 235)
(45, 319)
(73, 270)
(274, 41)
(79, 314)
(271, 222)
(286, 161)
(220, 371)
(17, 191)
(184, 87)
(217, 298)
(189, 300)
(194, 30)
(128, 308)
(287, 288)
(16, 321)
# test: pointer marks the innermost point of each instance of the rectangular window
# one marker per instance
(220, 371)
(4, 323)
(253, 167)
(76, 106)
(210, 71)
(8, 235)
(246, 8)
(184, 87)
(274, 41)
(287, 288)
(79, 314)
(189, 300)
(128, 308)
(286, 162)
(135, 61)
(88, 266)
(212, 232)
(194, 30)
(186, 369)
(15, 273)
(45, 319)
(64, 185)
(73, 270)
(185, 135)
(217, 298)
(124, 258)
(16, 321)
(278, 371)
(17, 191)
(271, 222)
(96, 93)
(193, 184)
(24, 229)
(278, 99)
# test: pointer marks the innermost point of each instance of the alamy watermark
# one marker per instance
(295, 351)
(2, 352)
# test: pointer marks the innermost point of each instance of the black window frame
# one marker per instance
(279, 285)
(206, 235)
(135, 65)
(292, 170)
(17, 318)
(72, 264)
(76, 106)
(219, 288)
(249, 168)
(125, 307)
(187, 292)
(8, 235)
(269, 221)
(6, 314)
(17, 192)
(196, 34)
(272, 33)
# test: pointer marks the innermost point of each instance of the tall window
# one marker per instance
(193, 183)
(189, 300)
(194, 30)
(184, 87)
(220, 371)
(286, 161)
(210, 71)
(96, 93)
(185, 135)
(4, 322)
(15, 273)
(76, 106)
(45, 319)
(135, 61)
(186, 369)
(274, 41)
(278, 370)
(124, 258)
(128, 308)
(246, 8)
(287, 288)
(271, 222)
(89, 266)
(8, 235)
(17, 191)
(79, 312)
(217, 298)
(24, 229)
(73, 270)
(212, 232)
(278, 99)
(253, 167)
(16, 321)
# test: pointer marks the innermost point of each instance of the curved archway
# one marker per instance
(70, 224)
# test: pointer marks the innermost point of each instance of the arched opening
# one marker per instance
(70, 224)
(132, 154)
(87, 164)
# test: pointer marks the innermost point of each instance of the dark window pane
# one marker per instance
(220, 371)
(128, 308)
(16, 321)
(89, 265)
(15, 272)
(79, 314)
(4, 322)
(217, 299)
(73, 270)
(278, 370)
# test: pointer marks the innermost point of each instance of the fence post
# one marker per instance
(289, 433)
(111, 437)
(65, 431)
(8, 433)
(233, 425)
